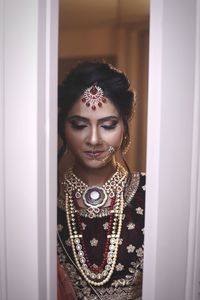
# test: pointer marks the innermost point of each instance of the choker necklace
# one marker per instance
(114, 186)
(95, 196)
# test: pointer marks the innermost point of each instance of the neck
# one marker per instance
(95, 176)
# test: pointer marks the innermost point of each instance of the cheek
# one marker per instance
(72, 138)
(115, 138)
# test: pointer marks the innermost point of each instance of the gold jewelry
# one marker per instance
(73, 183)
(80, 189)
(104, 274)
(95, 197)
(110, 152)
(111, 149)
(126, 148)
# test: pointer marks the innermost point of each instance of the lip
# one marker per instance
(92, 154)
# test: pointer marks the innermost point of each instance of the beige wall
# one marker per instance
(129, 45)
(95, 42)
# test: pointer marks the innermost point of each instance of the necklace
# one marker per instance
(92, 267)
(96, 196)
(102, 274)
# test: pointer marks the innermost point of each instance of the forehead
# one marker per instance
(107, 109)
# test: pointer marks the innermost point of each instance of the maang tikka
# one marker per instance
(93, 97)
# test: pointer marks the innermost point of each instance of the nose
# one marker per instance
(93, 137)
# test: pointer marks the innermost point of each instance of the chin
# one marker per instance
(93, 163)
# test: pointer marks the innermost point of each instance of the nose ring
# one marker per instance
(111, 149)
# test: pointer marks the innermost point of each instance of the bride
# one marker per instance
(100, 203)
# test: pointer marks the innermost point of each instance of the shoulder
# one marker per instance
(135, 202)
(62, 190)
(142, 183)
(136, 188)
(139, 199)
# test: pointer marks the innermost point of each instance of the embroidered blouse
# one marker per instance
(126, 280)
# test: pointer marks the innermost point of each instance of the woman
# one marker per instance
(101, 204)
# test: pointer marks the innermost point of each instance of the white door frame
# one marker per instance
(172, 246)
(28, 138)
(28, 110)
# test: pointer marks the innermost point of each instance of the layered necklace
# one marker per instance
(94, 198)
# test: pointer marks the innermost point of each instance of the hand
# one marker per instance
(65, 290)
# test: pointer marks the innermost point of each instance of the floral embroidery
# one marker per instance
(83, 225)
(105, 226)
(120, 241)
(119, 267)
(144, 187)
(120, 289)
(130, 226)
(133, 267)
(131, 190)
(135, 278)
(68, 242)
(139, 211)
(130, 248)
(125, 284)
(60, 227)
(94, 242)
(139, 252)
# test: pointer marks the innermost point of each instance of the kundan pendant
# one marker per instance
(94, 196)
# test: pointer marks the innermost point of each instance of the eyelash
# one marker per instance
(109, 127)
(80, 127)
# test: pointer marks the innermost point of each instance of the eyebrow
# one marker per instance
(80, 118)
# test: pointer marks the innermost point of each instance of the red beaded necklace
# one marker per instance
(93, 268)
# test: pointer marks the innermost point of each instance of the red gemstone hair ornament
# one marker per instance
(93, 97)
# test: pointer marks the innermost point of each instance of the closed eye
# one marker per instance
(78, 126)
(110, 126)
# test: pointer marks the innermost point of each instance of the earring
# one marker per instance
(126, 149)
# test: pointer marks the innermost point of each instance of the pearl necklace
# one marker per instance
(104, 275)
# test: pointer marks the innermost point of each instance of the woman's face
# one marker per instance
(93, 136)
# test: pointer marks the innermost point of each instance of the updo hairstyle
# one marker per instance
(114, 84)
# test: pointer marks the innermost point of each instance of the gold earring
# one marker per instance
(126, 149)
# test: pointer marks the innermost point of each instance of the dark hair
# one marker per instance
(114, 84)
